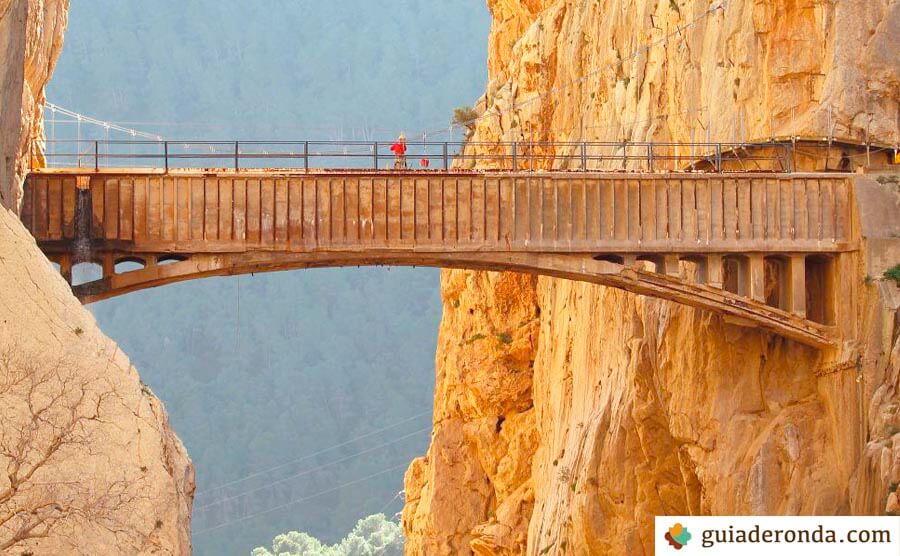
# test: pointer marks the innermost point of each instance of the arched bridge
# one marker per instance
(761, 248)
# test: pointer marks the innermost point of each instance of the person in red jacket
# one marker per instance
(399, 149)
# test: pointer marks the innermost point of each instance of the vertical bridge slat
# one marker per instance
(826, 191)
(226, 209)
(634, 211)
(421, 209)
(351, 211)
(380, 216)
(111, 209)
(477, 206)
(169, 209)
(813, 210)
(703, 210)
(366, 212)
(70, 201)
(689, 210)
(338, 221)
(140, 208)
(507, 212)
(267, 212)
(239, 212)
(211, 210)
(676, 210)
(126, 209)
(842, 210)
(281, 213)
(758, 212)
(154, 208)
(197, 208)
(55, 202)
(254, 215)
(98, 197)
(649, 210)
(491, 197)
(745, 215)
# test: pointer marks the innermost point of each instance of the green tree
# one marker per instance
(375, 535)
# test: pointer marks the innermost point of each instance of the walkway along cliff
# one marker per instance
(567, 415)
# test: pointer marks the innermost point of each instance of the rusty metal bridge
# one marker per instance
(759, 247)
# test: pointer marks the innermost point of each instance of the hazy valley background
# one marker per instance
(269, 372)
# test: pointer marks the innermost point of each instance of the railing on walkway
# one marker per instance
(422, 155)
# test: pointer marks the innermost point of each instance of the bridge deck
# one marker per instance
(559, 212)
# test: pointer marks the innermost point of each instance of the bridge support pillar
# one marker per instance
(714, 271)
(670, 265)
(757, 277)
(109, 265)
(629, 261)
(797, 285)
(65, 267)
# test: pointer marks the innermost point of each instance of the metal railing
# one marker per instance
(422, 155)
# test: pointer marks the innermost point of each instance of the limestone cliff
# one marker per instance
(567, 415)
(90, 463)
(31, 38)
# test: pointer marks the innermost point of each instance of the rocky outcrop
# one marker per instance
(31, 38)
(640, 407)
(681, 70)
(91, 465)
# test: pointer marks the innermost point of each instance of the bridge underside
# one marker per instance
(760, 249)
(686, 284)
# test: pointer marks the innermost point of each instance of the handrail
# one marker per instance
(498, 156)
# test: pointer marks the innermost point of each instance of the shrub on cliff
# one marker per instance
(893, 274)
(465, 116)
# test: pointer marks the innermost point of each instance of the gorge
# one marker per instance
(566, 414)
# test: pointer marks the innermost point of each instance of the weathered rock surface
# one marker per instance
(31, 38)
(90, 463)
(639, 406)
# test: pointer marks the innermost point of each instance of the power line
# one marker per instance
(302, 499)
(311, 470)
(314, 454)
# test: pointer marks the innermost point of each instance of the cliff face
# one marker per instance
(90, 463)
(31, 38)
(567, 415)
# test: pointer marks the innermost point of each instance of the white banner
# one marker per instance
(777, 535)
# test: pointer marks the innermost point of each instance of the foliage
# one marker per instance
(373, 536)
(893, 274)
(465, 116)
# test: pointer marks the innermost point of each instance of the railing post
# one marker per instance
(96, 156)
(719, 158)
(237, 151)
(583, 156)
(446, 157)
(306, 156)
(375, 154)
(166, 154)
(515, 157)
(650, 156)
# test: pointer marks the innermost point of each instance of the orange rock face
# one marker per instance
(568, 415)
